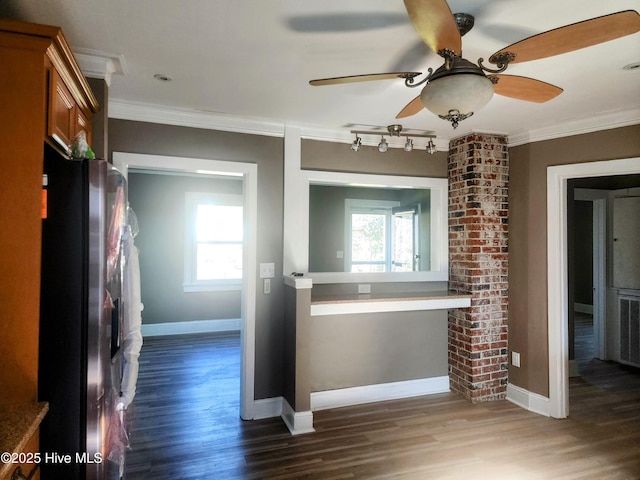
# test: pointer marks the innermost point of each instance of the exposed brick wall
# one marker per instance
(478, 170)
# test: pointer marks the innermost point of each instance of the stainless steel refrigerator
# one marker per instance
(80, 363)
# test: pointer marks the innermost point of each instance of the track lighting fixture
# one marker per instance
(355, 146)
(394, 131)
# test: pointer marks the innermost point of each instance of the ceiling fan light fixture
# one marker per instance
(456, 90)
(383, 146)
(464, 93)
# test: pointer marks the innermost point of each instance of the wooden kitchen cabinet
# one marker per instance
(65, 116)
(61, 112)
(43, 98)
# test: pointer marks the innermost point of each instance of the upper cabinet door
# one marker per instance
(62, 112)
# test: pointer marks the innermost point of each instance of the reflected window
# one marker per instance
(369, 237)
(405, 239)
(213, 241)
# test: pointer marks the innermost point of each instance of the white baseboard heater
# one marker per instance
(629, 308)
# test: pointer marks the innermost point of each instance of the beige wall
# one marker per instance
(339, 157)
(267, 153)
(370, 349)
(528, 239)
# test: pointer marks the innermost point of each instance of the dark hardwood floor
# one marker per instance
(185, 425)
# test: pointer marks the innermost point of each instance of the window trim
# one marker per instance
(190, 282)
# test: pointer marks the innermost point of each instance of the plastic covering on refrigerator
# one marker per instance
(131, 334)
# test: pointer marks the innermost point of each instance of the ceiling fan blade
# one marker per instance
(413, 107)
(362, 78)
(435, 24)
(525, 88)
(573, 37)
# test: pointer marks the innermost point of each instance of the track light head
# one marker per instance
(431, 147)
(383, 146)
(355, 146)
(408, 146)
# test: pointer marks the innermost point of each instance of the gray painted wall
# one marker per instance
(368, 349)
(159, 204)
(267, 153)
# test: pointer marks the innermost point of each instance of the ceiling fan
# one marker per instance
(459, 87)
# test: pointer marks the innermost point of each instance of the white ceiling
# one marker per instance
(248, 62)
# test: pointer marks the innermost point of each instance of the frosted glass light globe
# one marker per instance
(467, 93)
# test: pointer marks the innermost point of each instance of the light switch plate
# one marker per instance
(364, 288)
(515, 359)
(267, 270)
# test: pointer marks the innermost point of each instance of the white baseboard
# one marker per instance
(297, 422)
(377, 393)
(267, 408)
(197, 326)
(529, 401)
(583, 308)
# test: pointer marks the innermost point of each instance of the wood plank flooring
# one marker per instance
(185, 425)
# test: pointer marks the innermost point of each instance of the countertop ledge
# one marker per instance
(388, 297)
(380, 303)
(18, 423)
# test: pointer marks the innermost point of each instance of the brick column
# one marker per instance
(478, 169)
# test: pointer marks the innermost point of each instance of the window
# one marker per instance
(213, 242)
(381, 236)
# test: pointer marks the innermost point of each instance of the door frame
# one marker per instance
(557, 278)
(249, 172)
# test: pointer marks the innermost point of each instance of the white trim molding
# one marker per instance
(142, 112)
(296, 218)
(97, 64)
(344, 397)
(604, 121)
(249, 171)
(529, 401)
(398, 305)
(297, 422)
(267, 408)
(193, 118)
(195, 326)
(557, 275)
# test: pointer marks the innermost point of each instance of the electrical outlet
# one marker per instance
(515, 359)
(364, 288)
(267, 270)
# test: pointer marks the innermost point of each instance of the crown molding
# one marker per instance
(604, 121)
(213, 121)
(97, 64)
(192, 118)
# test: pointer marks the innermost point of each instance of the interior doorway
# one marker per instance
(248, 173)
(557, 270)
(589, 258)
